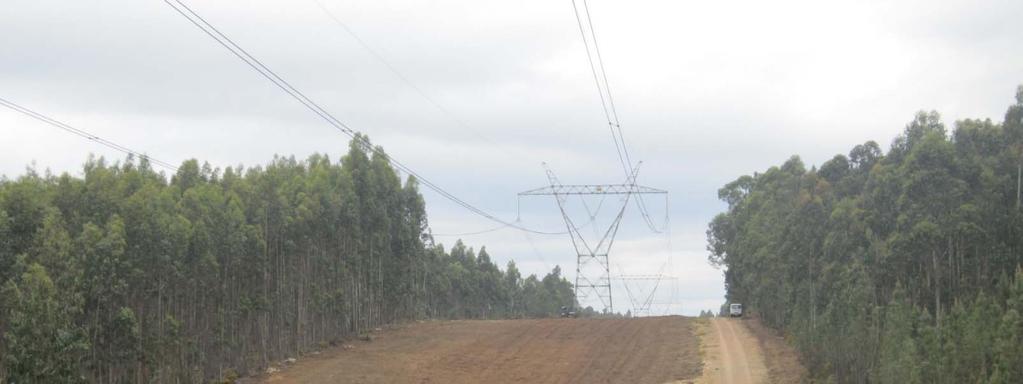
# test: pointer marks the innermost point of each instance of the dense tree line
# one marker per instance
(122, 275)
(897, 267)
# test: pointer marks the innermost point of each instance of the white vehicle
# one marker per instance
(735, 310)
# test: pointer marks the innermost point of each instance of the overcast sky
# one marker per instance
(707, 91)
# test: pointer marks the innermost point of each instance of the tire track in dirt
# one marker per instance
(731, 354)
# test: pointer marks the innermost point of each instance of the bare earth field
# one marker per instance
(643, 350)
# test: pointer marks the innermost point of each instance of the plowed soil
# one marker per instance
(642, 350)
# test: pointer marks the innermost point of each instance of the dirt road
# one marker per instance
(731, 353)
(646, 350)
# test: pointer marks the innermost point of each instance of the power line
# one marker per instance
(408, 82)
(640, 203)
(404, 79)
(600, 79)
(608, 105)
(607, 85)
(494, 229)
(600, 88)
(532, 245)
(85, 134)
(274, 78)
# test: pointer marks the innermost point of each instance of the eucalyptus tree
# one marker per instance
(888, 267)
(124, 274)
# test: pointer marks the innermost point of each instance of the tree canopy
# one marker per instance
(902, 267)
(126, 275)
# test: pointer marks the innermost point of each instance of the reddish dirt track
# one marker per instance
(732, 354)
(643, 350)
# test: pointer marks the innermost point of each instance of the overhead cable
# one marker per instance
(85, 134)
(608, 105)
(211, 31)
(404, 79)
(600, 88)
(494, 229)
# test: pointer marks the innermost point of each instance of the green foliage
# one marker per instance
(900, 267)
(123, 276)
(42, 344)
(1009, 343)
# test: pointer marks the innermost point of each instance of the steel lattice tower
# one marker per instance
(593, 268)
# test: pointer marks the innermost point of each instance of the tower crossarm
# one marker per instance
(592, 189)
(644, 277)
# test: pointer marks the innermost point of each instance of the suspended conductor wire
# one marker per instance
(536, 251)
(600, 88)
(610, 110)
(495, 229)
(274, 78)
(404, 79)
(85, 134)
(640, 203)
(607, 85)
(625, 283)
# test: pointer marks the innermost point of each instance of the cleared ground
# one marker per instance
(646, 350)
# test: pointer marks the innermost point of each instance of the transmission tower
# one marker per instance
(641, 305)
(593, 269)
